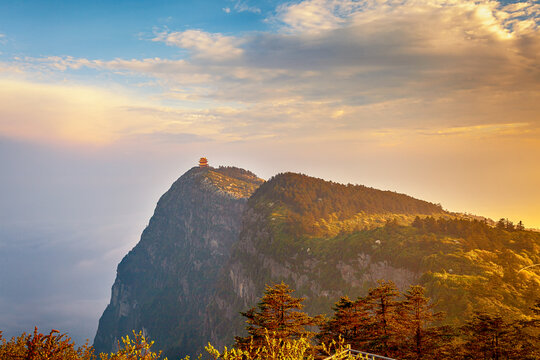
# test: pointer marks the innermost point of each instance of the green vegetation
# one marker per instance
(465, 265)
(309, 206)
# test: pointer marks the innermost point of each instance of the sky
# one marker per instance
(103, 104)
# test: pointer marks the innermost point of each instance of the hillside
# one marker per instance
(308, 206)
(327, 240)
(218, 236)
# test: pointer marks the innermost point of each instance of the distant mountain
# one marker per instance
(322, 238)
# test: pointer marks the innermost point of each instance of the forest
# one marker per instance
(308, 199)
(385, 322)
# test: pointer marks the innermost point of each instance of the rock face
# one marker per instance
(164, 283)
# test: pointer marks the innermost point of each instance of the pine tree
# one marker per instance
(489, 337)
(385, 330)
(276, 314)
(423, 338)
(350, 321)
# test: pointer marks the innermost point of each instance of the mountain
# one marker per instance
(163, 283)
(219, 235)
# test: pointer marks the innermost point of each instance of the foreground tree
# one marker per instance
(489, 336)
(421, 338)
(528, 333)
(350, 322)
(279, 313)
(137, 348)
(386, 327)
(38, 346)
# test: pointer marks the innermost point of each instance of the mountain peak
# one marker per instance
(230, 181)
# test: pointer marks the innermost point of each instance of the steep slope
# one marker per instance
(326, 240)
(163, 284)
(289, 232)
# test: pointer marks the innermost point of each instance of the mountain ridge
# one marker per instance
(324, 239)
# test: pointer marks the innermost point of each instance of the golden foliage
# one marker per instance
(137, 348)
(37, 346)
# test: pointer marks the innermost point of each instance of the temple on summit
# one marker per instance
(203, 162)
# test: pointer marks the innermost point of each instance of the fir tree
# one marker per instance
(384, 332)
(423, 339)
(278, 314)
(350, 321)
(489, 337)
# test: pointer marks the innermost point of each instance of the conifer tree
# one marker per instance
(489, 337)
(529, 334)
(350, 321)
(422, 338)
(277, 314)
(384, 332)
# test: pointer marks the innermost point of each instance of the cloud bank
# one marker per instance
(344, 66)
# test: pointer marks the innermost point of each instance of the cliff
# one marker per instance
(164, 283)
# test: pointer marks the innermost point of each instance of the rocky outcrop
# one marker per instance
(165, 282)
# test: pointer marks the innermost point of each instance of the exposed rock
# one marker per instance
(164, 284)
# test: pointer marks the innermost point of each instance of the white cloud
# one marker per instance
(487, 16)
(210, 46)
(243, 6)
(350, 65)
(316, 15)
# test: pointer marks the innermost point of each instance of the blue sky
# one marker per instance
(103, 104)
(110, 29)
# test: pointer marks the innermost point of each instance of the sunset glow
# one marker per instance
(102, 104)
